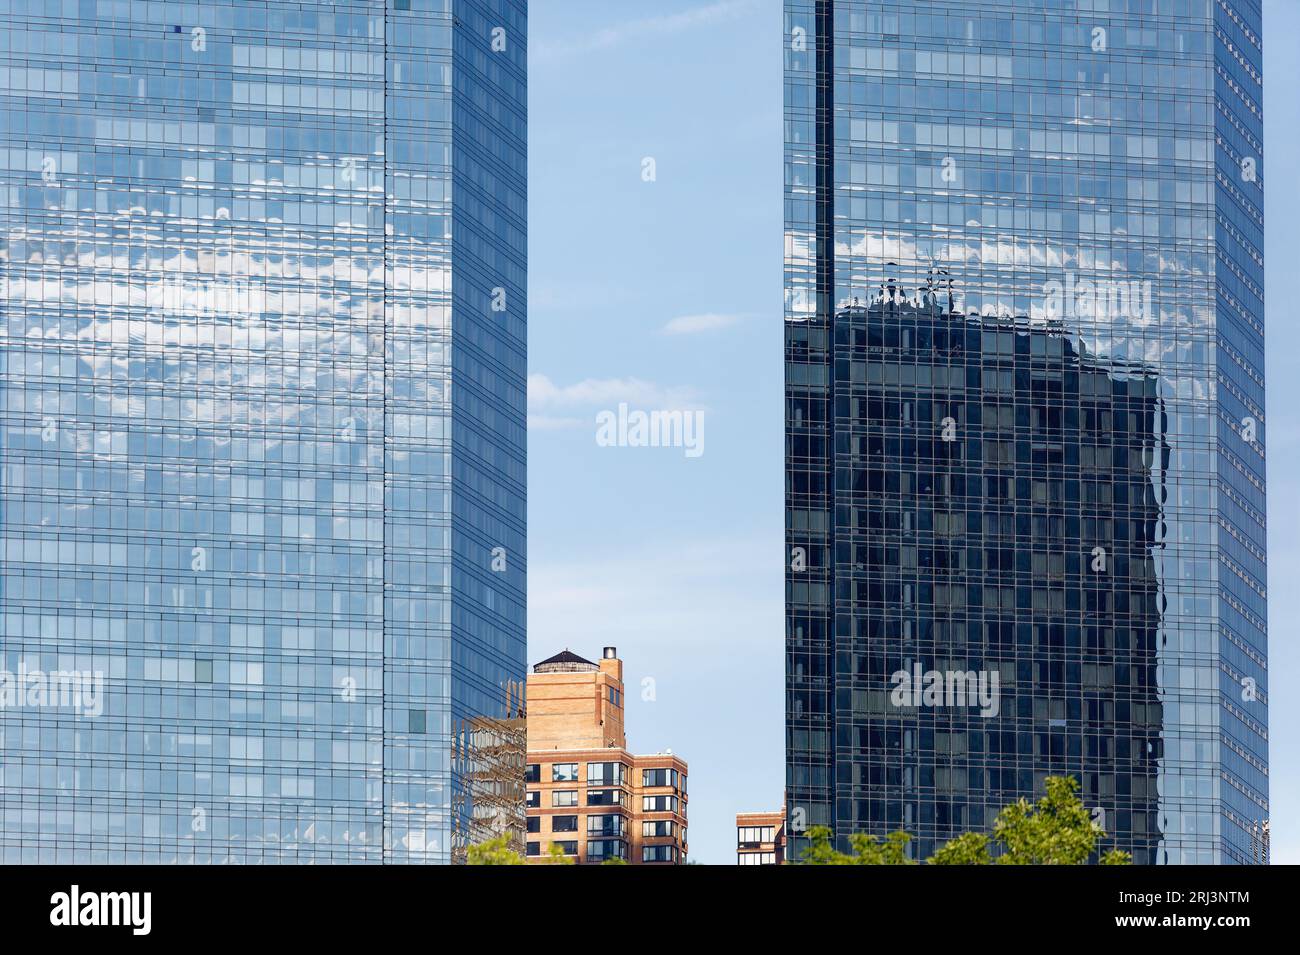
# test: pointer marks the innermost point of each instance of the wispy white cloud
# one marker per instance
(553, 407)
(694, 324)
(592, 393)
(630, 30)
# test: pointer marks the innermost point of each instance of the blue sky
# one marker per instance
(667, 294)
(1282, 440)
(674, 560)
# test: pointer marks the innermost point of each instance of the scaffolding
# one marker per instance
(488, 759)
(1259, 842)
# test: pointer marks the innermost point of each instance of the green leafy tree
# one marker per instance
(820, 851)
(555, 856)
(867, 850)
(1058, 830)
(970, 848)
(494, 852)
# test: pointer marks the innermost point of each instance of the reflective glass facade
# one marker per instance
(263, 404)
(1024, 410)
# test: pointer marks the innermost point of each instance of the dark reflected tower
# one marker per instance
(992, 507)
(1099, 172)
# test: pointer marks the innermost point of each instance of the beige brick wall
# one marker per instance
(576, 719)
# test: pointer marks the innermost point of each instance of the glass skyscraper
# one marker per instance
(1024, 417)
(263, 411)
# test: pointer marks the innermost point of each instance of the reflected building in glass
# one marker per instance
(263, 399)
(1024, 415)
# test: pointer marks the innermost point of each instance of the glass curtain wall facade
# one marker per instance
(1024, 410)
(263, 423)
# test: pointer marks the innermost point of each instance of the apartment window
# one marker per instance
(533, 773)
(567, 848)
(657, 829)
(754, 835)
(564, 824)
(659, 853)
(564, 773)
(604, 797)
(659, 777)
(534, 823)
(564, 798)
(532, 799)
(598, 850)
(658, 803)
(533, 849)
(756, 858)
(605, 774)
(605, 825)
(616, 697)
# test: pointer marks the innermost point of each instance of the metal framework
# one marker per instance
(1259, 838)
(488, 759)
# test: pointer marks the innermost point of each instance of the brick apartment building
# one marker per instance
(585, 792)
(760, 838)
